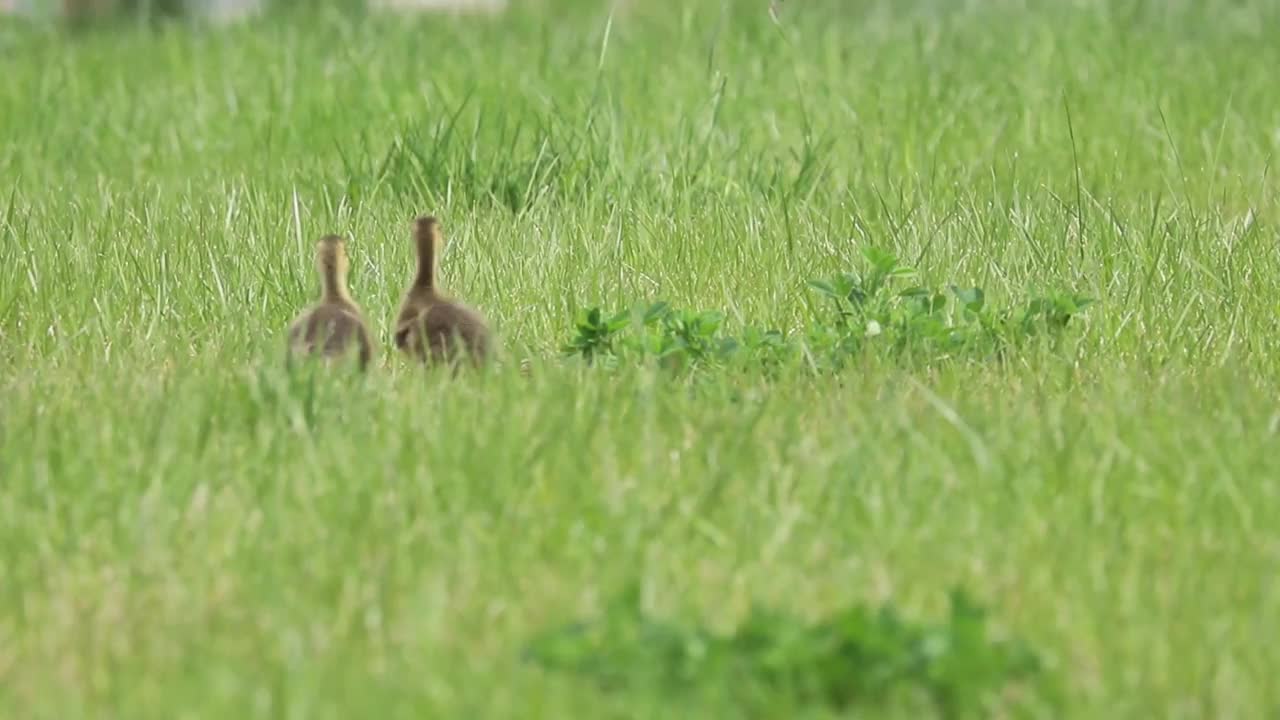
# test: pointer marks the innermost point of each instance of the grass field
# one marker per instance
(187, 529)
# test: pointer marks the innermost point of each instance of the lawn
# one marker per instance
(189, 529)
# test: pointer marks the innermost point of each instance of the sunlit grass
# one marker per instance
(188, 530)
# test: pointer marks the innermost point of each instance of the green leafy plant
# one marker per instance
(692, 338)
(870, 309)
(858, 656)
(875, 309)
(675, 339)
(596, 334)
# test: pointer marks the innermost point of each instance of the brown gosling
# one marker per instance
(333, 325)
(433, 327)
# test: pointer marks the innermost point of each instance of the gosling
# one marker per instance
(433, 327)
(334, 325)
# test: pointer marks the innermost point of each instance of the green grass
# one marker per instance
(186, 530)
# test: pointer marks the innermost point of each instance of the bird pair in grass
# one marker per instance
(431, 326)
